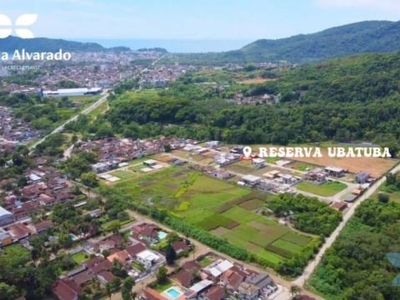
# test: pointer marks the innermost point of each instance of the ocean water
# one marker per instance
(173, 46)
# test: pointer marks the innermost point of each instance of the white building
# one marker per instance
(148, 258)
(258, 163)
(71, 92)
(5, 217)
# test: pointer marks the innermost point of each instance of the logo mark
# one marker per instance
(394, 259)
(23, 21)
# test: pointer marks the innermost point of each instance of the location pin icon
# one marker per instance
(247, 151)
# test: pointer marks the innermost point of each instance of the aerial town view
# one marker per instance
(199, 151)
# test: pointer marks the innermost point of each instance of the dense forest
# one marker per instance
(356, 38)
(357, 266)
(349, 99)
(307, 214)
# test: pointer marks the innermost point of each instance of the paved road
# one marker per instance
(329, 241)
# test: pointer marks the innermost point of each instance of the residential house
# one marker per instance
(184, 278)
(18, 231)
(149, 258)
(217, 268)
(214, 293)
(340, 206)
(106, 245)
(98, 264)
(335, 171)
(121, 256)
(362, 177)
(66, 289)
(43, 226)
(135, 249)
(105, 277)
(258, 163)
(5, 238)
(46, 200)
(260, 280)
(150, 294)
(247, 291)
(83, 278)
(232, 279)
(191, 267)
(180, 246)
(146, 232)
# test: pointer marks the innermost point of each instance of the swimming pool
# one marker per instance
(162, 235)
(173, 293)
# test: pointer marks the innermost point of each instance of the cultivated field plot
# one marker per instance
(217, 206)
(325, 189)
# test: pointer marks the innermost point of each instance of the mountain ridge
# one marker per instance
(12, 43)
(350, 39)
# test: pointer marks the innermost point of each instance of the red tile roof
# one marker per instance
(215, 293)
(121, 256)
(150, 294)
(135, 249)
(180, 246)
(66, 289)
(185, 278)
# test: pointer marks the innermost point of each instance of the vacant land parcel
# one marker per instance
(217, 206)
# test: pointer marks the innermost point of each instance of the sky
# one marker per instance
(194, 19)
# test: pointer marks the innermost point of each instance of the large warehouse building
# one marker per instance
(72, 92)
(5, 217)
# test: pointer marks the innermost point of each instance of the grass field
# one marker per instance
(302, 167)
(241, 167)
(98, 110)
(326, 189)
(123, 174)
(217, 206)
(79, 258)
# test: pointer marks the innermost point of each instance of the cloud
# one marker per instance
(383, 5)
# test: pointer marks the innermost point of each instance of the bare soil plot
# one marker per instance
(375, 166)
(252, 204)
(220, 231)
(256, 80)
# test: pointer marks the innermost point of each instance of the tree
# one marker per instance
(383, 198)
(167, 148)
(162, 275)
(114, 226)
(89, 179)
(115, 284)
(173, 237)
(170, 254)
(126, 290)
(8, 291)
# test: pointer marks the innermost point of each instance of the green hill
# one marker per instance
(356, 38)
(12, 43)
